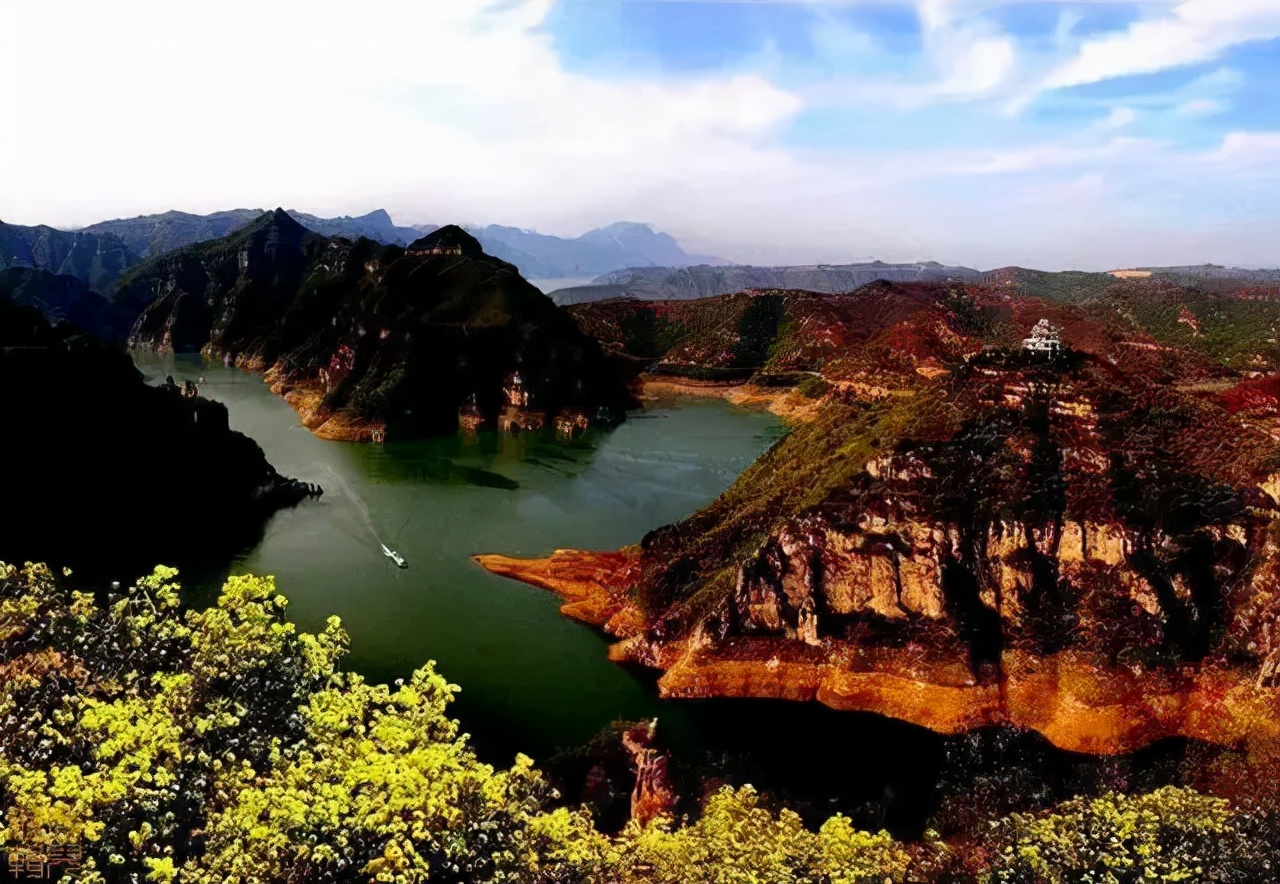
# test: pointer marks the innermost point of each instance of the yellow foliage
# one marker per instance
(224, 745)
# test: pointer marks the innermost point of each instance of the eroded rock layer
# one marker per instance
(1035, 536)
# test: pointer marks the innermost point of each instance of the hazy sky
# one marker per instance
(1054, 134)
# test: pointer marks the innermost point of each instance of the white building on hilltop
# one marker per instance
(1045, 338)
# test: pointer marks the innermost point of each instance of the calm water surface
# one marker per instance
(524, 668)
(532, 680)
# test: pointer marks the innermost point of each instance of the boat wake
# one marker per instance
(365, 517)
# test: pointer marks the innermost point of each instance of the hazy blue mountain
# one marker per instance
(1193, 272)
(98, 259)
(624, 244)
(537, 255)
(681, 283)
(150, 235)
(376, 225)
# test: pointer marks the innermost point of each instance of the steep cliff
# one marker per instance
(362, 337)
(1039, 539)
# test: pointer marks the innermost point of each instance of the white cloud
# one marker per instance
(971, 55)
(464, 112)
(138, 106)
(1118, 118)
(1193, 31)
(1249, 151)
(966, 57)
(1200, 107)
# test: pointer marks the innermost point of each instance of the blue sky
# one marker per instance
(1057, 134)
(810, 47)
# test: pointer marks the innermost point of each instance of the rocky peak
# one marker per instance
(279, 219)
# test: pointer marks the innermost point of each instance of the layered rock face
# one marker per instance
(368, 340)
(1044, 542)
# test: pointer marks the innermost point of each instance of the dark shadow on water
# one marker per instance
(404, 465)
(443, 459)
(880, 772)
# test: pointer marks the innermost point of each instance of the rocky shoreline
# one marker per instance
(1074, 699)
(787, 403)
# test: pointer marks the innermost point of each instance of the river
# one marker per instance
(521, 665)
(531, 679)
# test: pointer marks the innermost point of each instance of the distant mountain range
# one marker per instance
(537, 255)
(621, 245)
(151, 235)
(97, 259)
(683, 283)
(1210, 271)
(625, 259)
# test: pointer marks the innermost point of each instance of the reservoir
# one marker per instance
(522, 666)
(531, 679)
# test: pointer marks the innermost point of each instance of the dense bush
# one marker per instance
(1170, 834)
(813, 387)
(224, 745)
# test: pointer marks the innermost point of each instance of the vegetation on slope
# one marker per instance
(1081, 442)
(220, 745)
(885, 331)
(383, 335)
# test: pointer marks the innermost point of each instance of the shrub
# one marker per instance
(1171, 834)
(813, 387)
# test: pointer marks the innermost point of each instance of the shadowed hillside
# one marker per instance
(99, 461)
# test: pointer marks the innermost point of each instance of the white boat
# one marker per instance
(394, 556)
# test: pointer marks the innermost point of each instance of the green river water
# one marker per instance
(523, 667)
(532, 680)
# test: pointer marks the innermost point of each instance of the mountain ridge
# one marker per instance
(364, 338)
(97, 259)
(538, 255)
(1055, 512)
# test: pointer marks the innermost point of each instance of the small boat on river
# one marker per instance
(394, 556)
